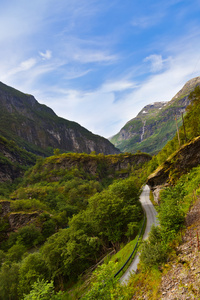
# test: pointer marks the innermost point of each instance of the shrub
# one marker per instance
(29, 236)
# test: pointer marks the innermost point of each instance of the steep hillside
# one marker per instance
(13, 160)
(155, 125)
(179, 163)
(182, 280)
(39, 130)
(62, 184)
(65, 216)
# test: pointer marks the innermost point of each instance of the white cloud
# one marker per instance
(97, 109)
(100, 112)
(22, 67)
(46, 55)
(117, 86)
(156, 61)
(27, 64)
(88, 56)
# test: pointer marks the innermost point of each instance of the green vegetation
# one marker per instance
(71, 210)
(160, 126)
(39, 130)
(160, 247)
(79, 211)
(188, 131)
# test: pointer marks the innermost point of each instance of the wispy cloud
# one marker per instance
(144, 22)
(88, 61)
(46, 55)
(117, 86)
(101, 113)
(156, 62)
(88, 56)
(22, 67)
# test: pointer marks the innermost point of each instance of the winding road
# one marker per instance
(151, 219)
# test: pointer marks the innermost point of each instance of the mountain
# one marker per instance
(14, 161)
(155, 124)
(180, 162)
(38, 129)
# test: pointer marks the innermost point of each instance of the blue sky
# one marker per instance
(99, 62)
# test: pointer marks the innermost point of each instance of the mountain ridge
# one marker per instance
(155, 123)
(38, 129)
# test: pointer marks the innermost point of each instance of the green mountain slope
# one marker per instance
(38, 129)
(155, 125)
(13, 160)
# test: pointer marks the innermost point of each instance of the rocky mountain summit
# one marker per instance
(38, 129)
(155, 124)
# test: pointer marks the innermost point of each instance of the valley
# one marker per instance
(67, 201)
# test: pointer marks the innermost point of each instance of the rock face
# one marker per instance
(182, 161)
(115, 166)
(39, 130)
(17, 220)
(155, 125)
(13, 220)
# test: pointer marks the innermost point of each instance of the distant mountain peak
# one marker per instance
(188, 87)
(154, 125)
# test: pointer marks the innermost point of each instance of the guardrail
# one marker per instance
(133, 249)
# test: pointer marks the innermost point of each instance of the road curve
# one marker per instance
(151, 219)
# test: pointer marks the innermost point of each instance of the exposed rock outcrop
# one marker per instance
(20, 219)
(99, 166)
(182, 161)
(5, 208)
(14, 220)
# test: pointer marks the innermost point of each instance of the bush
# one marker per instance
(105, 286)
(153, 251)
(32, 268)
(9, 275)
(15, 252)
(29, 236)
(152, 254)
(43, 290)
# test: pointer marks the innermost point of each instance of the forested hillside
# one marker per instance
(170, 258)
(155, 125)
(70, 211)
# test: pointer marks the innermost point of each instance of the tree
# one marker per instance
(193, 112)
(171, 215)
(52, 252)
(15, 252)
(112, 210)
(56, 151)
(9, 275)
(32, 268)
(29, 236)
(43, 290)
(104, 285)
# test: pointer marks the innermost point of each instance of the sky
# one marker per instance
(99, 62)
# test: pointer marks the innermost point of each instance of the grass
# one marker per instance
(146, 285)
(83, 284)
